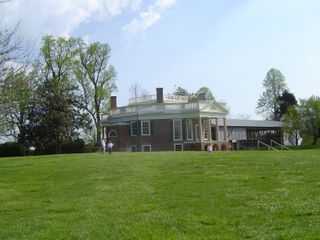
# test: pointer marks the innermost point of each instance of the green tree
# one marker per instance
(96, 78)
(56, 114)
(207, 91)
(179, 91)
(286, 100)
(292, 124)
(268, 104)
(16, 95)
(309, 111)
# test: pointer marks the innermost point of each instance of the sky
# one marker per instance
(227, 46)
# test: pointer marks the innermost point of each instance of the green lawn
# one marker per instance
(162, 195)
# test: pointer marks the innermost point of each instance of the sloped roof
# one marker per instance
(251, 123)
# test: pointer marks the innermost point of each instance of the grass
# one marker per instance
(164, 195)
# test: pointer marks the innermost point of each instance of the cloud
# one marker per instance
(147, 18)
(164, 4)
(315, 58)
(62, 17)
(116, 7)
(142, 23)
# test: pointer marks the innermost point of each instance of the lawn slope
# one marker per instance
(162, 195)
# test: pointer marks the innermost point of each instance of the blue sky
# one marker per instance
(228, 46)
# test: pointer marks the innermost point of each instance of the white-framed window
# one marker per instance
(145, 128)
(112, 133)
(178, 147)
(197, 132)
(146, 148)
(177, 129)
(133, 148)
(189, 129)
(134, 128)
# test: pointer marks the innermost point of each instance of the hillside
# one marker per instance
(164, 195)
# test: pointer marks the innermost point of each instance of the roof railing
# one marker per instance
(153, 98)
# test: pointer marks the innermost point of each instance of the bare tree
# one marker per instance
(15, 59)
(137, 91)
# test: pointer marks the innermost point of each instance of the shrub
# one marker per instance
(10, 149)
(92, 147)
(75, 146)
(223, 146)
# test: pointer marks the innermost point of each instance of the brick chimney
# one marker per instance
(159, 95)
(113, 101)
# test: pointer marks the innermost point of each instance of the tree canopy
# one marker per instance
(309, 111)
(96, 79)
(293, 124)
(179, 91)
(203, 90)
(207, 91)
(55, 116)
(269, 103)
(286, 99)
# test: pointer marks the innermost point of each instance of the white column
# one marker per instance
(217, 130)
(209, 126)
(225, 129)
(200, 129)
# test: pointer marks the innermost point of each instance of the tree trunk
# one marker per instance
(315, 138)
(97, 123)
(98, 129)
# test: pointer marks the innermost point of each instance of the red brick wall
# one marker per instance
(160, 138)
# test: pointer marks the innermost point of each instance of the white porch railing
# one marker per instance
(143, 99)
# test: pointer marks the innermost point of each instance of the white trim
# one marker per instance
(178, 144)
(149, 130)
(187, 123)
(147, 145)
(112, 131)
(173, 129)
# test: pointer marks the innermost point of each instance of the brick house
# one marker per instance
(166, 123)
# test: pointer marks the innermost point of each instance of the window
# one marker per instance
(134, 129)
(177, 129)
(113, 133)
(178, 147)
(145, 128)
(189, 129)
(133, 148)
(146, 148)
